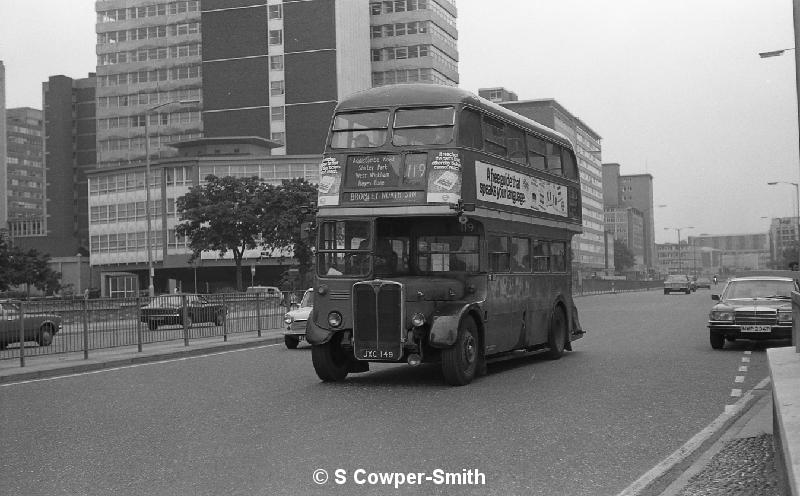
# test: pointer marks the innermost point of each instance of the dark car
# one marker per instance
(752, 308)
(297, 319)
(677, 283)
(168, 309)
(703, 282)
(39, 327)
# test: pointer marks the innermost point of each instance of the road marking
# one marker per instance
(135, 365)
(739, 378)
(743, 368)
(692, 444)
(736, 393)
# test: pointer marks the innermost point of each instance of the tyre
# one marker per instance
(717, 340)
(291, 342)
(219, 318)
(688, 291)
(45, 336)
(330, 360)
(460, 361)
(152, 325)
(557, 335)
(666, 291)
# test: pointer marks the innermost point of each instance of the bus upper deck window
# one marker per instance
(469, 129)
(360, 129)
(554, 158)
(423, 126)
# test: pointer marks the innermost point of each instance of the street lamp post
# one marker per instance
(796, 213)
(147, 212)
(678, 229)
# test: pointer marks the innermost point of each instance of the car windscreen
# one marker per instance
(759, 289)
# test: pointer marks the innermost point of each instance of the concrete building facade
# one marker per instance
(26, 177)
(633, 191)
(783, 235)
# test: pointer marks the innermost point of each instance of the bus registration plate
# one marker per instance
(756, 328)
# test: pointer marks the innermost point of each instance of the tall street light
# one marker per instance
(147, 213)
(678, 229)
(796, 213)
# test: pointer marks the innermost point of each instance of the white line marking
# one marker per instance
(739, 378)
(736, 393)
(746, 359)
(729, 408)
(743, 368)
(135, 365)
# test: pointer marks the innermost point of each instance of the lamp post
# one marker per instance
(147, 213)
(796, 213)
(678, 229)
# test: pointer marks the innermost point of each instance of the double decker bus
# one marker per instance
(444, 226)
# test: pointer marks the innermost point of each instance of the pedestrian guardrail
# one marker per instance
(44, 327)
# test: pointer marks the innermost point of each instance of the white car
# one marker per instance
(297, 319)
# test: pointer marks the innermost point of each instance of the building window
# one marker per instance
(275, 11)
(276, 88)
(277, 113)
(276, 62)
(279, 137)
(276, 37)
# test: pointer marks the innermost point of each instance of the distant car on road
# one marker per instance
(39, 327)
(168, 309)
(757, 308)
(678, 283)
(703, 282)
(268, 291)
(297, 319)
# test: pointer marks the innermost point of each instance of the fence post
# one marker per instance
(139, 324)
(85, 315)
(21, 334)
(258, 313)
(225, 320)
(185, 320)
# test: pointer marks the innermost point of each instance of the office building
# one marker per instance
(633, 191)
(26, 177)
(732, 252)
(626, 224)
(593, 255)
(783, 238)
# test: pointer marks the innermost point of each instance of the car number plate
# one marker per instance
(756, 328)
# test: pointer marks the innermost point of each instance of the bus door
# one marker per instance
(501, 334)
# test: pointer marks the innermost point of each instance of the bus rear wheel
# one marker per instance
(331, 363)
(557, 336)
(460, 361)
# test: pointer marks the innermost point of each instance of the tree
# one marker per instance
(287, 222)
(223, 214)
(623, 257)
(18, 267)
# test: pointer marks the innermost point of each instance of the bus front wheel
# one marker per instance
(557, 336)
(460, 361)
(330, 361)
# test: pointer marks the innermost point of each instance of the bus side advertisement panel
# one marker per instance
(502, 186)
(444, 178)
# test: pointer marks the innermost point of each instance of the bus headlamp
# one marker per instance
(418, 320)
(288, 319)
(334, 319)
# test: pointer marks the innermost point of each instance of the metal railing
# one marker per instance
(87, 325)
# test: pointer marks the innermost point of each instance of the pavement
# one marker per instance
(734, 455)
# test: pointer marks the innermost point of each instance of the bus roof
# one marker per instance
(436, 94)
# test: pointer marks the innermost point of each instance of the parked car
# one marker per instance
(168, 309)
(269, 291)
(758, 307)
(703, 282)
(678, 283)
(297, 319)
(39, 327)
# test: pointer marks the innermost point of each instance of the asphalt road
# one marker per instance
(258, 422)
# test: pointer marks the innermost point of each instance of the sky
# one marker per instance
(675, 88)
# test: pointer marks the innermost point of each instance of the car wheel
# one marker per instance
(557, 335)
(45, 336)
(3, 345)
(219, 319)
(152, 325)
(291, 342)
(666, 292)
(460, 361)
(330, 361)
(717, 340)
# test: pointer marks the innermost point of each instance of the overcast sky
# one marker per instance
(674, 87)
